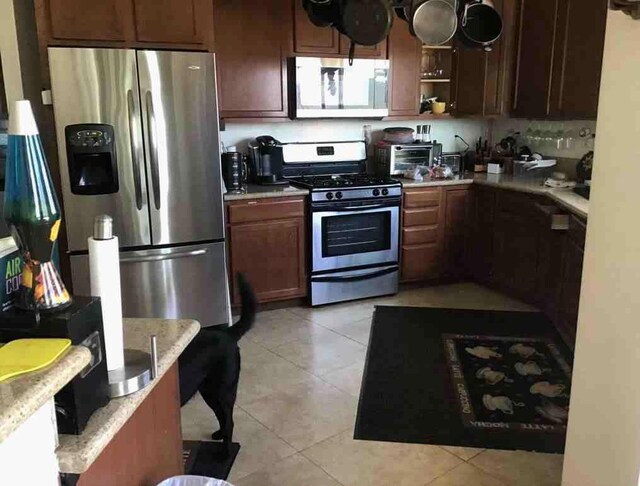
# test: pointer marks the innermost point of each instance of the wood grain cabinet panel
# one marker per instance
(569, 305)
(422, 197)
(421, 262)
(536, 44)
(148, 448)
(421, 217)
(578, 63)
(252, 41)
(456, 230)
(105, 20)
(377, 51)
(419, 235)
(311, 39)
(173, 21)
(481, 243)
(405, 54)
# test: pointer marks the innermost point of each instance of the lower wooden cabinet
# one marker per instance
(267, 242)
(571, 279)
(456, 230)
(480, 244)
(422, 234)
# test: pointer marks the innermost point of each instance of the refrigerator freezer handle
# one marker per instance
(134, 151)
(155, 172)
(166, 256)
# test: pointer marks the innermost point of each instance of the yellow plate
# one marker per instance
(26, 355)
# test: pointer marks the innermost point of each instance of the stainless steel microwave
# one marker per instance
(331, 88)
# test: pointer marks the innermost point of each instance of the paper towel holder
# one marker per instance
(140, 368)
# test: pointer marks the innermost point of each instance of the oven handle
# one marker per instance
(353, 208)
(355, 278)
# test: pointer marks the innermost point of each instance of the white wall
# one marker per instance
(239, 134)
(9, 52)
(603, 440)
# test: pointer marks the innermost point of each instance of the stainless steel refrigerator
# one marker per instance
(138, 139)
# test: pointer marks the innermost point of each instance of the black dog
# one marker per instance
(211, 365)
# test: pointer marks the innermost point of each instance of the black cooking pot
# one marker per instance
(365, 22)
(480, 24)
(323, 13)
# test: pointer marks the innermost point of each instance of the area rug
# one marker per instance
(486, 379)
(207, 458)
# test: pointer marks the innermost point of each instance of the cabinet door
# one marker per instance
(481, 242)
(77, 20)
(421, 262)
(311, 39)
(578, 59)
(251, 38)
(272, 256)
(470, 75)
(457, 211)
(184, 22)
(379, 51)
(536, 43)
(404, 54)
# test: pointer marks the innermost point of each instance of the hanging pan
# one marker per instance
(434, 22)
(366, 22)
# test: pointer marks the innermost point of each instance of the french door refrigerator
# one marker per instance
(138, 140)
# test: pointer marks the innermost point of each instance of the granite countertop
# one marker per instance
(255, 191)
(22, 396)
(563, 197)
(77, 452)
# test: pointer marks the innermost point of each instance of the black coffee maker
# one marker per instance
(265, 168)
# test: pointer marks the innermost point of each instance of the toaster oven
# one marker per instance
(396, 159)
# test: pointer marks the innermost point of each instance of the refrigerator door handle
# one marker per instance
(159, 258)
(135, 151)
(155, 171)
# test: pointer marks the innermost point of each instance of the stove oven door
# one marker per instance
(355, 234)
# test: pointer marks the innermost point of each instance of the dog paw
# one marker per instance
(217, 435)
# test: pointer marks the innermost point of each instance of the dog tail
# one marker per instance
(248, 309)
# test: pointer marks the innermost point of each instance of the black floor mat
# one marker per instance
(208, 459)
(469, 378)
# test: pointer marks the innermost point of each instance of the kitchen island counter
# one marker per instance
(78, 452)
(22, 396)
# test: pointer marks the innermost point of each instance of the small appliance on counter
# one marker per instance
(535, 168)
(234, 171)
(396, 159)
(266, 160)
(355, 221)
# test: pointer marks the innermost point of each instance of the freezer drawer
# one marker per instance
(170, 283)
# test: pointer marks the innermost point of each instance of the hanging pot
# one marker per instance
(323, 13)
(365, 22)
(434, 22)
(480, 24)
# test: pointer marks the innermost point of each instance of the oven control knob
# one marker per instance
(385, 192)
(329, 196)
(338, 195)
(376, 192)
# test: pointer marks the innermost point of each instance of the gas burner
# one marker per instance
(342, 181)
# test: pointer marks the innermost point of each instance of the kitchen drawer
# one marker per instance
(422, 198)
(517, 202)
(577, 231)
(421, 217)
(419, 235)
(422, 262)
(265, 209)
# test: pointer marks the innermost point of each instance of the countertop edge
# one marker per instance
(75, 461)
(50, 380)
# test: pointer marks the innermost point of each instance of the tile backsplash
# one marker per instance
(239, 134)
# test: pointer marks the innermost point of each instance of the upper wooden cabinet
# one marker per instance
(404, 54)
(482, 80)
(184, 24)
(77, 20)
(173, 21)
(252, 41)
(559, 58)
(309, 39)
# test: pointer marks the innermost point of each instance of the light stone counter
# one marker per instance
(255, 191)
(563, 197)
(22, 396)
(77, 452)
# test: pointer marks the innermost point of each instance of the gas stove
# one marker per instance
(348, 186)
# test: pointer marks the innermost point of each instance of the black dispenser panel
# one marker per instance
(93, 162)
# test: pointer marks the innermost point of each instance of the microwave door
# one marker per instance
(96, 91)
(180, 117)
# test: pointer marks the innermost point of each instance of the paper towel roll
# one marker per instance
(104, 266)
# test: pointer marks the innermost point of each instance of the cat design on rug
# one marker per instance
(547, 389)
(483, 352)
(504, 404)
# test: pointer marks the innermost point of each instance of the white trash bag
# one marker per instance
(193, 481)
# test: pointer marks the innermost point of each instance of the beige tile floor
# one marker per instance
(301, 374)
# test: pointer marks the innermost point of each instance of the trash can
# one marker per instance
(193, 481)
